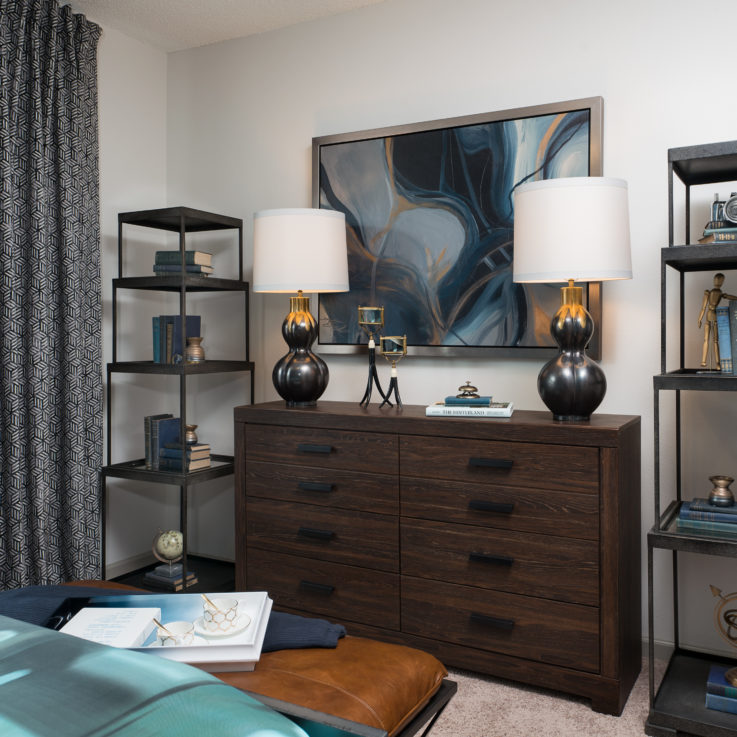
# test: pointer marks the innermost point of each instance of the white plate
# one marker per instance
(195, 641)
(241, 624)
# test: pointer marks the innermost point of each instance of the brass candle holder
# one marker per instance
(393, 348)
(371, 320)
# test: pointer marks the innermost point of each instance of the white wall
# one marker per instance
(132, 80)
(241, 116)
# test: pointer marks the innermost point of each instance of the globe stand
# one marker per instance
(167, 548)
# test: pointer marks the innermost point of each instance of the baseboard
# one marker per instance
(128, 565)
(121, 567)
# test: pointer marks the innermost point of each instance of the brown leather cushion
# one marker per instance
(366, 681)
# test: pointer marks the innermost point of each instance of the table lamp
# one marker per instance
(296, 250)
(568, 230)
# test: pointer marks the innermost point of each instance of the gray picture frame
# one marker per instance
(450, 181)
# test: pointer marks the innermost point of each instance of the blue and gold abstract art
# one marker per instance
(430, 223)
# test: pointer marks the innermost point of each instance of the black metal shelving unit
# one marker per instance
(677, 706)
(181, 220)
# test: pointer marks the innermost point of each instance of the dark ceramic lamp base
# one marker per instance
(571, 384)
(300, 376)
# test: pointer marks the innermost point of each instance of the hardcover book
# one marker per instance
(164, 430)
(721, 703)
(495, 409)
(176, 464)
(716, 682)
(178, 453)
(148, 437)
(713, 514)
(118, 627)
(190, 257)
(177, 268)
(176, 348)
(703, 505)
(724, 338)
(468, 401)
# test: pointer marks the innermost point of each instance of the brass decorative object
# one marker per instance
(371, 320)
(708, 316)
(393, 348)
(190, 436)
(194, 352)
(725, 622)
(467, 391)
(721, 495)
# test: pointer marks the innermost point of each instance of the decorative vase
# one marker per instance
(194, 352)
(190, 436)
(721, 495)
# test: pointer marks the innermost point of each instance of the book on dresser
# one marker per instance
(493, 409)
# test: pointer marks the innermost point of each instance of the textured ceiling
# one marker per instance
(173, 25)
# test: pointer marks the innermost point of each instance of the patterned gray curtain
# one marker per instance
(50, 300)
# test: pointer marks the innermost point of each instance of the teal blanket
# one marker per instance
(56, 685)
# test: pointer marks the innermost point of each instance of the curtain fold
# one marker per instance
(50, 296)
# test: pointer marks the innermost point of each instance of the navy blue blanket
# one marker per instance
(36, 604)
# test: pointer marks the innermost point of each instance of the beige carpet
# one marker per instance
(488, 707)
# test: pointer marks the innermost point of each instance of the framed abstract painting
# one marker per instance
(430, 219)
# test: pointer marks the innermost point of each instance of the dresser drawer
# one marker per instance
(505, 507)
(328, 589)
(348, 450)
(533, 465)
(517, 562)
(323, 486)
(523, 626)
(342, 536)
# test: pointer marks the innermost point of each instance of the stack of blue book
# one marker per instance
(720, 693)
(701, 516)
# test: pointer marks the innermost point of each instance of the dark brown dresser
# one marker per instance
(503, 546)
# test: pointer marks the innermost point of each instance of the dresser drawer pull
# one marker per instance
(502, 560)
(502, 624)
(316, 534)
(315, 486)
(490, 462)
(320, 588)
(312, 448)
(479, 505)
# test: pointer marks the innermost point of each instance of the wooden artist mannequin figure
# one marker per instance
(712, 298)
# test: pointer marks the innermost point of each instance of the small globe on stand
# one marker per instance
(168, 547)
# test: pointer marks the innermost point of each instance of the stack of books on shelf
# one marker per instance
(169, 577)
(164, 450)
(701, 516)
(168, 346)
(469, 407)
(721, 694)
(195, 262)
(191, 457)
